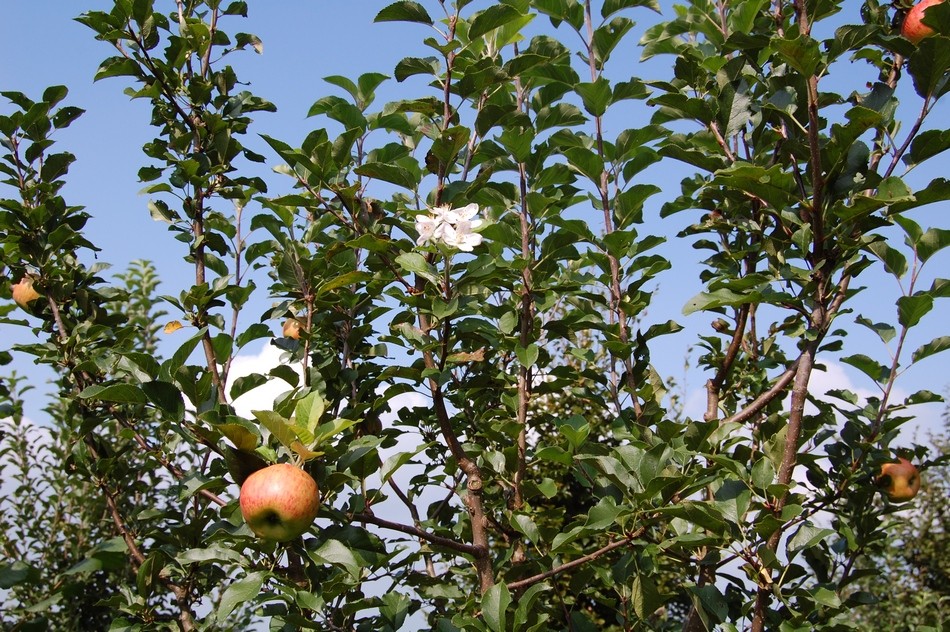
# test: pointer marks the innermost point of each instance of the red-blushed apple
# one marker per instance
(913, 27)
(292, 329)
(23, 292)
(900, 480)
(279, 502)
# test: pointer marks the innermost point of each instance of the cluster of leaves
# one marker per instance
(544, 478)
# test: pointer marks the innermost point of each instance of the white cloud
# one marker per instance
(927, 417)
(262, 397)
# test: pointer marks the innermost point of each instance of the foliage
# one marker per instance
(480, 250)
(914, 568)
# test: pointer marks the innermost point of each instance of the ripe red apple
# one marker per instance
(913, 27)
(279, 502)
(23, 292)
(900, 480)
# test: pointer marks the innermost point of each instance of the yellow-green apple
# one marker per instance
(913, 27)
(279, 502)
(292, 328)
(900, 480)
(23, 292)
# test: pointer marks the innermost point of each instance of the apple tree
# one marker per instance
(460, 282)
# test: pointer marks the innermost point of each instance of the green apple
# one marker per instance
(279, 502)
(913, 27)
(900, 481)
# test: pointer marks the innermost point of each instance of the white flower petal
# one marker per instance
(468, 243)
(467, 212)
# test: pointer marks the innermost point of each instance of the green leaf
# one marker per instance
(242, 591)
(826, 597)
(217, 552)
(808, 535)
(526, 606)
(873, 369)
(308, 411)
(608, 36)
(395, 461)
(910, 309)
(495, 604)
(247, 383)
(331, 428)
(802, 53)
(931, 242)
(885, 331)
(337, 553)
(596, 96)
(242, 438)
(923, 397)
(526, 526)
(772, 184)
(711, 602)
(933, 347)
(554, 454)
(450, 142)
(610, 7)
(738, 112)
(893, 260)
(893, 190)
(646, 598)
(928, 66)
(586, 162)
(491, 18)
(928, 144)
(386, 172)
(559, 115)
(720, 298)
(603, 515)
(404, 11)
(117, 67)
(527, 356)
(119, 393)
(165, 396)
(763, 473)
(575, 429)
(13, 573)
(409, 66)
(278, 426)
(416, 263)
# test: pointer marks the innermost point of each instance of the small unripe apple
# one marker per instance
(23, 292)
(913, 27)
(900, 480)
(279, 502)
(292, 328)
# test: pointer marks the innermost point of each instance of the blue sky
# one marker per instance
(303, 42)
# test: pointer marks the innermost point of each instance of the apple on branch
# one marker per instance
(292, 328)
(913, 27)
(23, 292)
(899, 480)
(279, 502)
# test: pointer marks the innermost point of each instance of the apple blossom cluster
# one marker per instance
(453, 227)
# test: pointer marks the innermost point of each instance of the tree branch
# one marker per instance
(540, 577)
(461, 547)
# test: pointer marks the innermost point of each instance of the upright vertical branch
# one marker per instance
(820, 321)
(473, 498)
(525, 376)
(616, 295)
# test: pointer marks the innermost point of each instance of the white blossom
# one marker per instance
(453, 227)
(429, 228)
